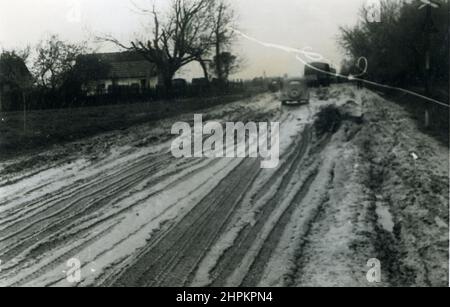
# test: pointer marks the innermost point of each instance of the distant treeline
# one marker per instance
(394, 38)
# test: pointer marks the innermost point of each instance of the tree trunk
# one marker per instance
(167, 80)
(218, 62)
(205, 69)
(24, 100)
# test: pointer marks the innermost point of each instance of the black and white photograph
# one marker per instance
(224, 144)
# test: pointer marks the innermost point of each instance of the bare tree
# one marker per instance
(223, 35)
(181, 38)
(55, 59)
(228, 64)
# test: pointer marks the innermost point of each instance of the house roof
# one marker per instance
(127, 65)
(14, 71)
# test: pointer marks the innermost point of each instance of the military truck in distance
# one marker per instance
(318, 74)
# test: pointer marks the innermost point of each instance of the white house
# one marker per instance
(128, 69)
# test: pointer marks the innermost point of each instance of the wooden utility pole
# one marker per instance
(429, 29)
(427, 63)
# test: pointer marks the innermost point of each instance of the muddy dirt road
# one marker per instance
(133, 215)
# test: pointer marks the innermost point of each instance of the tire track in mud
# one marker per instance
(171, 258)
(233, 256)
(82, 202)
(107, 277)
(63, 222)
(80, 234)
(304, 158)
(40, 205)
(296, 275)
(64, 193)
(56, 262)
(257, 269)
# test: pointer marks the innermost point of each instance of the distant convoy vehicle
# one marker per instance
(295, 90)
(275, 85)
(334, 78)
(319, 74)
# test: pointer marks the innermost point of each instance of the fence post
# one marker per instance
(24, 111)
(427, 118)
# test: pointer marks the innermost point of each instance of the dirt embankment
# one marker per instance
(416, 107)
(386, 198)
(409, 177)
(405, 174)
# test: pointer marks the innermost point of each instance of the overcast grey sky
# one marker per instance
(294, 23)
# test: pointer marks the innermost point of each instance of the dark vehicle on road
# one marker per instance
(318, 74)
(334, 79)
(275, 86)
(295, 90)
